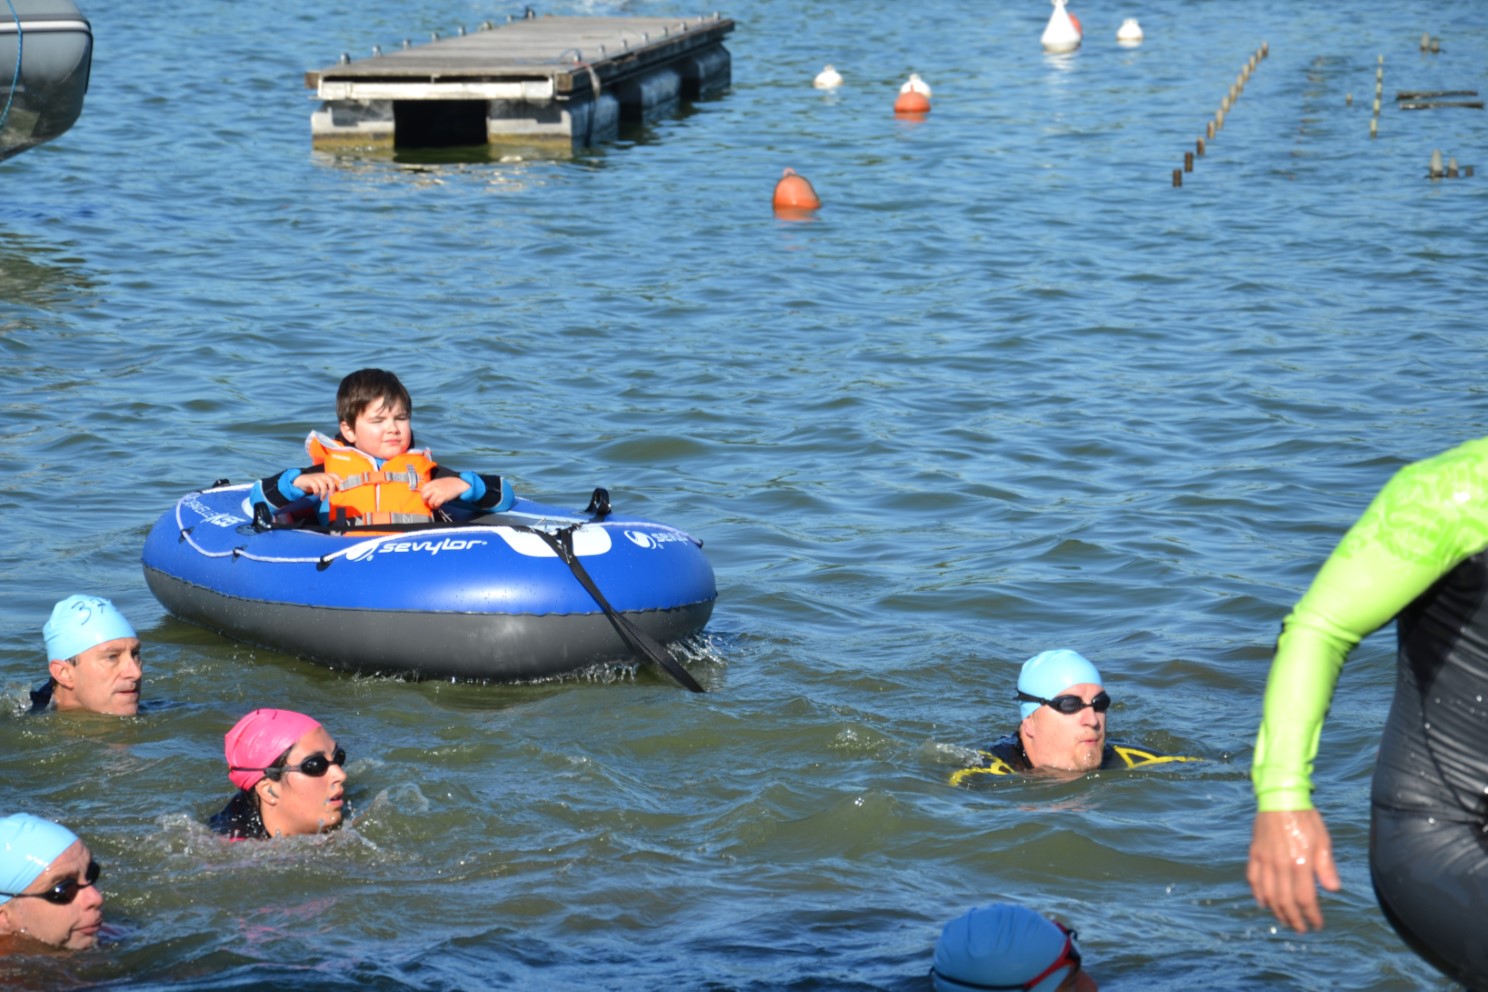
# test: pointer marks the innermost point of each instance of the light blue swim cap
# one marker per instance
(81, 622)
(1001, 945)
(1049, 673)
(28, 844)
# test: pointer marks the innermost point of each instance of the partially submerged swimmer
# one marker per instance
(48, 887)
(1007, 946)
(93, 659)
(290, 775)
(1063, 730)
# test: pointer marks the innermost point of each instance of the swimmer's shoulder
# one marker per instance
(1003, 756)
(1122, 755)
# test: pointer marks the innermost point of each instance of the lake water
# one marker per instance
(1008, 391)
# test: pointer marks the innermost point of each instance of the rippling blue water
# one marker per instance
(1009, 390)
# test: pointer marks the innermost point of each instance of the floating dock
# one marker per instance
(555, 83)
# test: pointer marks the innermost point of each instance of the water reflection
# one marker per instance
(35, 275)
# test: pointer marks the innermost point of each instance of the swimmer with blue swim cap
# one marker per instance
(93, 656)
(1063, 706)
(1006, 946)
(1064, 711)
(48, 890)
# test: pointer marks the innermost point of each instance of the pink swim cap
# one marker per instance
(258, 739)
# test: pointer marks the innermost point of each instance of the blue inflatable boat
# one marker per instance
(532, 592)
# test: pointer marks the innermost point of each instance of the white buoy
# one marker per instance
(1060, 34)
(828, 79)
(1129, 35)
(914, 84)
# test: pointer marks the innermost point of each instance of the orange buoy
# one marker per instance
(912, 103)
(794, 193)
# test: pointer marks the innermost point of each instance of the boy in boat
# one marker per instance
(367, 475)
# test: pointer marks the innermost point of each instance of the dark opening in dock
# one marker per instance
(439, 123)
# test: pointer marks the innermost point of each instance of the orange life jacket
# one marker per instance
(369, 494)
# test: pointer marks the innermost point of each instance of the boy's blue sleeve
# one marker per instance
(277, 490)
(487, 493)
(477, 490)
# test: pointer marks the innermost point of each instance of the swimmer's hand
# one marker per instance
(1288, 850)
(321, 485)
(438, 492)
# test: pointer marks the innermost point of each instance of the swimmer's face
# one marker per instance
(381, 430)
(1070, 742)
(300, 803)
(103, 679)
(72, 925)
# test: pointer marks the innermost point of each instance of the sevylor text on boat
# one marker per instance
(46, 54)
(531, 592)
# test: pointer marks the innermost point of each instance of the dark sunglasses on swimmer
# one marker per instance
(315, 766)
(1070, 955)
(64, 891)
(1070, 705)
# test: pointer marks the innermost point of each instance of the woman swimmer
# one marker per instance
(290, 775)
(48, 890)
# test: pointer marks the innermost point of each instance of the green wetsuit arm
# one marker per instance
(1427, 519)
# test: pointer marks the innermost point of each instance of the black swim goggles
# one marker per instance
(1070, 705)
(1069, 956)
(64, 891)
(314, 766)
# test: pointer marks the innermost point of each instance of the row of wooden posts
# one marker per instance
(1216, 124)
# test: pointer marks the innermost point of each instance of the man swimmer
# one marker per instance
(93, 658)
(48, 887)
(290, 775)
(1006, 946)
(1063, 730)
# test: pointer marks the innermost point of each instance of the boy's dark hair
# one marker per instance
(366, 386)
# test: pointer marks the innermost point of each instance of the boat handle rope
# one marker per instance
(322, 562)
(16, 76)
(561, 541)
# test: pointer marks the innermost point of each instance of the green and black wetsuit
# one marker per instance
(1416, 556)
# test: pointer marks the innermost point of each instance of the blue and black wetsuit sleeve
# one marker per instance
(487, 493)
(279, 490)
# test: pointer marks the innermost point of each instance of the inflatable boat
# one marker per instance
(46, 53)
(532, 592)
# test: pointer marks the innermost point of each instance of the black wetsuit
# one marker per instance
(1428, 833)
(41, 697)
(239, 819)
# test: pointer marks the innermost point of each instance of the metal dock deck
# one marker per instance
(556, 83)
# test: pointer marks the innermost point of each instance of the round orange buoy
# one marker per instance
(912, 102)
(794, 193)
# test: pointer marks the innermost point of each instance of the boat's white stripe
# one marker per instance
(513, 538)
(9, 26)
